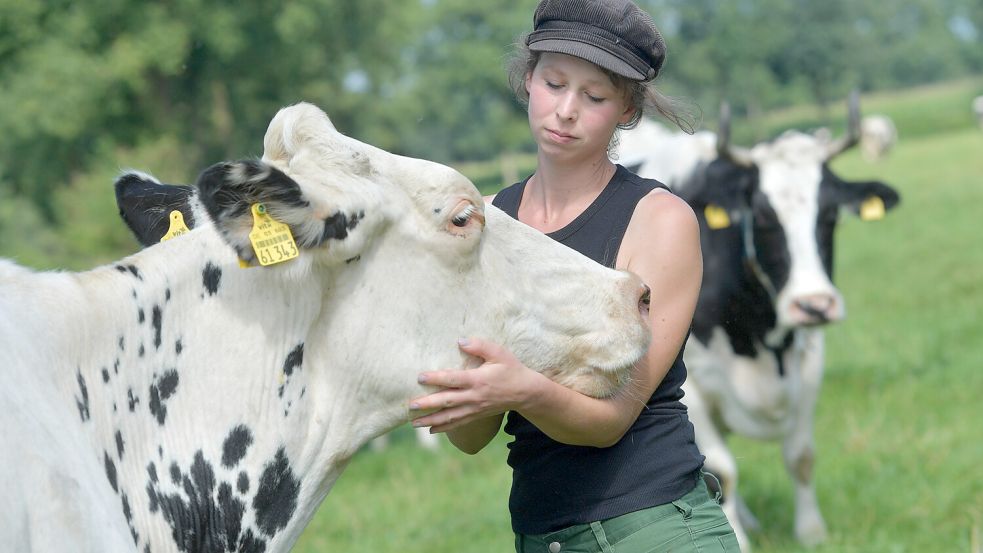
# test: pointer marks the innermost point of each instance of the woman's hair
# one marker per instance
(641, 95)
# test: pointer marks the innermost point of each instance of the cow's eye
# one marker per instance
(463, 216)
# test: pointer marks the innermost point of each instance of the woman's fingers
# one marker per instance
(446, 419)
(444, 379)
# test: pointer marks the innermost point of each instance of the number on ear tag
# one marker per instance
(177, 227)
(716, 217)
(271, 239)
(872, 209)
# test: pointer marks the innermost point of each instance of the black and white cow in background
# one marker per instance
(176, 401)
(978, 110)
(755, 355)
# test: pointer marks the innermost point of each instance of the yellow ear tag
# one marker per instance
(177, 227)
(716, 216)
(271, 239)
(872, 209)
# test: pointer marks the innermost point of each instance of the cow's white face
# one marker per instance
(423, 256)
(790, 173)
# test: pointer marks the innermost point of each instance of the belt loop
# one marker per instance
(683, 507)
(601, 537)
(717, 495)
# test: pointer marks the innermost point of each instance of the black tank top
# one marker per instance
(555, 485)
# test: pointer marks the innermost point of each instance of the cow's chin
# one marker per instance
(594, 382)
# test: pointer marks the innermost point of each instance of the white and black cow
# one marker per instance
(755, 354)
(176, 401)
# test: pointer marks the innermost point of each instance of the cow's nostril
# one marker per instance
(646, 297)
(820, 308)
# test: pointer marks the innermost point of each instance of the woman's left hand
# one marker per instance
(501, 383)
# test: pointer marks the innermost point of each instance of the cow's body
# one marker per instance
(175, 401)
(878, 135)
(755, 354)
(978, 110)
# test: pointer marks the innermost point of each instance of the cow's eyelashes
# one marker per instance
(462, 218)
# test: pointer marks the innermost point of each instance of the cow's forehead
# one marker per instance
(790, 170)
(330, 158)
(791, 148)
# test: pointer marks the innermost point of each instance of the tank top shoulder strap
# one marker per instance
(509, 198)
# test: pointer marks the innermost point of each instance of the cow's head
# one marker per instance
(410, 258)
(781, 201)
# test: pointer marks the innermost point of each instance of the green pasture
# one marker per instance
(899, 425)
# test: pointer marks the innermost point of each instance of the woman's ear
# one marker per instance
(527, 80)
(628, 115)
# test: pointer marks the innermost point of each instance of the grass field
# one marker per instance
(900, 420)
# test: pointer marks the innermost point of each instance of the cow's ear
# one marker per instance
(868, 200)
(147, 206)
(229, 191)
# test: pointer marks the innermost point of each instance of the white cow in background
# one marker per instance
(978, 110)
(878, 135)
(176, 401)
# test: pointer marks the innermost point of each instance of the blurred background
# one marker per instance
(90, 88)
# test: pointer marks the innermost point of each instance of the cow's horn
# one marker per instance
(852, 137)
(737, 155)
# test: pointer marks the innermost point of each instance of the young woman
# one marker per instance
(621, 474)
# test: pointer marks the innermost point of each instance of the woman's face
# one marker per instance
(574, 107)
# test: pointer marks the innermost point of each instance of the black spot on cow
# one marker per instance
(167, 295)
(105, 374)
(353, 259)
(82, 400)
(251, 544)
(129, 269)
(120, 445)
(152, 472)
(162, 389)
(242, 484)
(156, 322)
(116, 366)
(141, 316)
(236, 443)
(132, 400)
(178, 347)
(141, 351)
(110, 471)
(211, 276)
(122, 344)
(294, 359)
(128, 513)
(232, 509)
(276, 497)
(338, 226)
(201, 519)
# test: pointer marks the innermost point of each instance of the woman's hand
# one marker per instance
(501, 383)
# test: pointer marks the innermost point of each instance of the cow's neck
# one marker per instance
(199, 391)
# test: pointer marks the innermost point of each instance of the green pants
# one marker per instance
(692, 523)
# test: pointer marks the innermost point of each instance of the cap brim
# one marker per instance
(590, 53)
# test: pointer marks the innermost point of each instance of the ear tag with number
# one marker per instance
(177, 227)
(716, 216)
(872, 209)
(271, 239)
